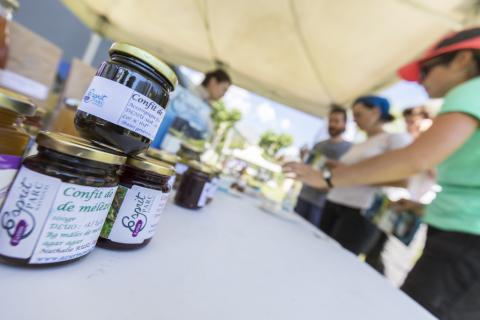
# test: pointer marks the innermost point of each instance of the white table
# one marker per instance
(229, 261)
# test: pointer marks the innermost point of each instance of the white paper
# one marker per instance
(24, 85)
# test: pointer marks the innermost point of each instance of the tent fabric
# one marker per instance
(303, 53)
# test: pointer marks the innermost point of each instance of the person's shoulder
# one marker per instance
(464, 98)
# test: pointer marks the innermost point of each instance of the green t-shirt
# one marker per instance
(457, 206)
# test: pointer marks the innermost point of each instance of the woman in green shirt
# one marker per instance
(446, 279)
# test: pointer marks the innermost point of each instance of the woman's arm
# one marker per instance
(447, 134)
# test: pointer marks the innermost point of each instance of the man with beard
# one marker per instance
(311, 201)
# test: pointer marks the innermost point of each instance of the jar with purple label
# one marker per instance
(13, 139)
(195, 186)
(125, 103)
(138, 205)
(57, 205)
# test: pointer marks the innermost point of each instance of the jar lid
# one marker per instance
(79, 147)
(149, 164)
(163, 155)
(14, 4)
(200, 167)
(150, 59)
(190, 146)
(15, 102)
(71, 103)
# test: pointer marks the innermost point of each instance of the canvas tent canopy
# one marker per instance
(303, 53)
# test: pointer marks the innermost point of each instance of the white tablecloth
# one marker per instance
(228, 261)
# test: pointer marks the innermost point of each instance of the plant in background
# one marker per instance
(224, 120)
(272, 142)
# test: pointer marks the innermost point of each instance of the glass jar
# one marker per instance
(126, 100)
(7, 7)
(194, 186)
(169, 158)
(138, 205)
(13, 139)
(57, 205)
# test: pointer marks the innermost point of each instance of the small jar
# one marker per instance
(194, 187)
(13, 139)
(57, 205)
(169, 158)
(126, 100)
(138, 205)
(7, 7)
(187, 153)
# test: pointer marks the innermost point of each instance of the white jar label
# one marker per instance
(122, 106)
(135, 218)
(8, 169)
(24, 212)
(48, 221)
(213, 188)
(202, 201)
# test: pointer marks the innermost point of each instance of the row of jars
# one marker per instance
(102, 189)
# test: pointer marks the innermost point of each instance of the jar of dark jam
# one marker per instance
(194, 186)
(138, 205)
(13, 138)
(57, 205)
(126, 100)
(167, 157)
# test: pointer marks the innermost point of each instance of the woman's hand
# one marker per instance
(305, 174)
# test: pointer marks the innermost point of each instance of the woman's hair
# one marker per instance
(219, 74)
(458, 37)
(379, 103)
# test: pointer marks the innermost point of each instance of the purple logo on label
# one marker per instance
(19, 232)
(95, 98)
(18, 221)
(138, 228)
(137, 221)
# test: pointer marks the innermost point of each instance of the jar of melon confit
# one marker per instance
(126, 100)
(194, 188)
(138, 205)
(13, 138)
(57, 205)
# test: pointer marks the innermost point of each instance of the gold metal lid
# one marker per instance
(15, 102)
(150, 59)
(163, 155)
(78, 147)
(149, 164)
(200, 167)
(189, 145)
(14, 4)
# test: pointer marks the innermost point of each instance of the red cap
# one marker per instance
(411, 71)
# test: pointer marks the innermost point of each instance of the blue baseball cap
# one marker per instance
(378, 102)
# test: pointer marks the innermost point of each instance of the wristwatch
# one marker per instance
(327, 176)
